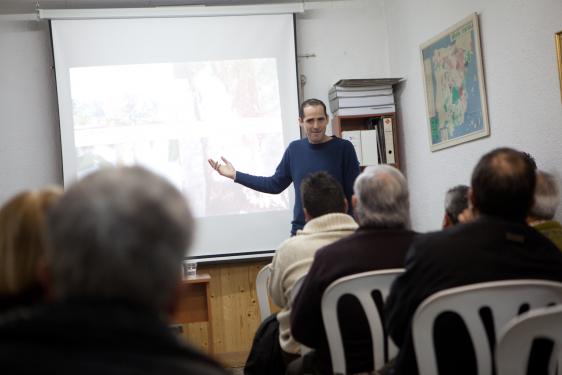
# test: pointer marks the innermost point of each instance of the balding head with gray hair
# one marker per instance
(381, 198)
(119, 234)
(456, 201)
(546, 198)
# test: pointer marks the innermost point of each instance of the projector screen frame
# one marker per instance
(169, 12)
(223, 256)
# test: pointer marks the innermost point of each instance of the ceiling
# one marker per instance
(28, 6)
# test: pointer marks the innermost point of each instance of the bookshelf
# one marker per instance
(365, 122)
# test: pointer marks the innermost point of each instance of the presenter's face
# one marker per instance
(314, 124)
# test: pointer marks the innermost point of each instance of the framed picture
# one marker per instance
(558, 39)
(455, 95)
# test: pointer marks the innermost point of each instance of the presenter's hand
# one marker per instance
(226, 169)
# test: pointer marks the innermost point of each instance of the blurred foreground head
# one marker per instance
(22, 245)
(119, 234)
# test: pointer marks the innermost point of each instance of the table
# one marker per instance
(195, 304)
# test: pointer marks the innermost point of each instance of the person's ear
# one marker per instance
(471, 198)
(307, 216)
(447, 221)
(353, 201)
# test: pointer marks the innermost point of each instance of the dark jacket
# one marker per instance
(487, 249)
(368, 249)
(24, 299)
(89, 337)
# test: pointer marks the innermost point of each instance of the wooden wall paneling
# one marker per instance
(235, 311)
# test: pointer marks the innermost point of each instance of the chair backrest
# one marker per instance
(516, 339)
(361, 286)
(261, 291)
(505, 299)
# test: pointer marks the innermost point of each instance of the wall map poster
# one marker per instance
(454, 85)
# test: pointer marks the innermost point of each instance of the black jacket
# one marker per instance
(487, 249)
(99, 337)
(368, 249)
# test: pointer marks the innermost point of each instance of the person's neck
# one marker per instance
(326, 138)
(533, 221)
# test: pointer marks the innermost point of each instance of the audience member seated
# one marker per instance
(116, 242)
(541, 215)
(456, 204)
(381, 207)
(325, 208)
(497, 245)
(22, 222)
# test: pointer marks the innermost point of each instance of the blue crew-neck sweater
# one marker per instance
(336, 157)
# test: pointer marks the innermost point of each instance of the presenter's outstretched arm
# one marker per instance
(226, 169)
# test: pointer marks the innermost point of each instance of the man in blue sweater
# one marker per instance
(317, 152)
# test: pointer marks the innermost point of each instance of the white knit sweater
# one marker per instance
(293, 259)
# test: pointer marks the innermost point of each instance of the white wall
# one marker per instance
(521, 81)
(349, 40)
(29, 141)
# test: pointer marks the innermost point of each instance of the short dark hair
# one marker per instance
(456, 201)
(311, 103)
(503, 184)
(322, 194)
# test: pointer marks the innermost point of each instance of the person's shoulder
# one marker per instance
(290, 244)
(334, 248)
(344, 143)
(297, 143)
(434, 239)
(340, 142)
(343, 146)
(297, 147)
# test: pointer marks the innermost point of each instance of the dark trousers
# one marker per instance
(266, 356)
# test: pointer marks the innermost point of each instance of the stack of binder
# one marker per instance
(375, 144)
(350, 97)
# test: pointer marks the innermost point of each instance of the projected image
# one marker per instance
(172, 117)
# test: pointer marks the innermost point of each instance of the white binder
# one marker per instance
(389, 140)
(369, 147)
(365, 144)
(354, 136)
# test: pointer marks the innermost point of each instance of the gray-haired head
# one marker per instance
(547, 197)
(456, 201)
(119, 234)
(382, 197)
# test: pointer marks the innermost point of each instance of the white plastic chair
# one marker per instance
(261, 291)
(361, 286)
(516, 339)
(504, 298)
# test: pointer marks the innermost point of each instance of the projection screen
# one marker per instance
(169, 93)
